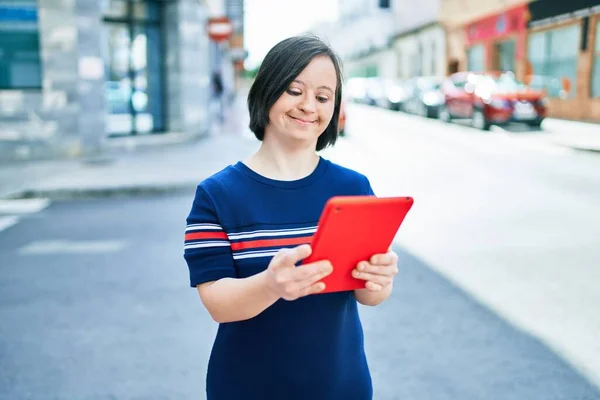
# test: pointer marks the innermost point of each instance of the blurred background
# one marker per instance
(487, 112)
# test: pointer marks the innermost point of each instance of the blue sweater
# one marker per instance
(310, 348)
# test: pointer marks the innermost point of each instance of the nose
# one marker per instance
(308, 104)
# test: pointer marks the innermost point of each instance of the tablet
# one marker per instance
(353, 229)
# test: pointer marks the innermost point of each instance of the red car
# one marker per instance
(491, 99)
(342, 119)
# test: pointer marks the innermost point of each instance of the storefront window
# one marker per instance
(506, 52)
(20, 66)
(476, 58)
(553, 55)
(133, 58)
(115, 8)
(596, 71)
(433, 59)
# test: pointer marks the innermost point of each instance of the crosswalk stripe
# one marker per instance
(73, 247)
(8, 221)
(23, 206)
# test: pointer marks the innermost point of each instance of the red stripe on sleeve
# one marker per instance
(252, 244)
(206, 235)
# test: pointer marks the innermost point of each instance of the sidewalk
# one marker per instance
(168, 163)
(576, 135)
(136, 165)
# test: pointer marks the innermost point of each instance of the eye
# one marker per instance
(293, 92)
(322, 99)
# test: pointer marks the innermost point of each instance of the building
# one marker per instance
(75, 73)
(368, 54)
(397, 40)
(564, 46)
(482, 34)
(552, 44)
(420, 41)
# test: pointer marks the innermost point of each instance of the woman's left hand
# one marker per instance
(379, 271)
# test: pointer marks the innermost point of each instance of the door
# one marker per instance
(118, 84)
(505, 55)
(133, 65)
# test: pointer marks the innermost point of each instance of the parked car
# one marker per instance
(355, 90)
(393, 95)
(491, 98)
(342, 119)
(425, 96)
(375, 92)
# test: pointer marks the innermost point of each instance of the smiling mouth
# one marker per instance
(302, 121)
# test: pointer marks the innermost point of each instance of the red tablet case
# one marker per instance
(353, 229)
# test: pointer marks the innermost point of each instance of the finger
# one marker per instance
(313, 271)
(373, 287)
(387, 270)
(384, 259)
(289, 257)
(312, 289)
(299, 253)
(382, 280)
(312, 280)
(299, 279)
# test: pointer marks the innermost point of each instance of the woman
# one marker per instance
(249, 227)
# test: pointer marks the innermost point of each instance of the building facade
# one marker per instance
(553, 45)
(73, 73)
(369, 53)
(421, 51)
(473, 28)
(564, 46)
(396, 39)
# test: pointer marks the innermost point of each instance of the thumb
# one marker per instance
(289, 257)
(301, 252)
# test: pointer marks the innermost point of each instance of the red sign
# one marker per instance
(513, 20)
(220, 29)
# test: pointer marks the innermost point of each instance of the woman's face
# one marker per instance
(304, 110)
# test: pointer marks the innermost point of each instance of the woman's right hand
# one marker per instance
(289, 282)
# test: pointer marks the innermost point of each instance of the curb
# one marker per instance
(585, 149)
(102, 192)
(575, 147)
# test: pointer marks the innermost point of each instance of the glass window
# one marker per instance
(134, 86)
(503, 83)
(433, 56)
(459, 82)
(136, 9)
(553, 55)
(476, 58)
(146, 10)
(506, 52)
(20, 65)
(537, 52)
(596, 70)
(115, 8)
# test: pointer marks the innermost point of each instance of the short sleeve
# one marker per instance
(367, 189)
(207, 249)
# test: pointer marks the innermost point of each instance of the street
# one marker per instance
(496, 298)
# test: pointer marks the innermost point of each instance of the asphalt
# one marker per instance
(103, 310)
(172, 162)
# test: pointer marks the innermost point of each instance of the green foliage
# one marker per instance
(250, 73)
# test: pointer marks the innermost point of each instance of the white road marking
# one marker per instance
(73, 247)
(23, 206)
(7, 222)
